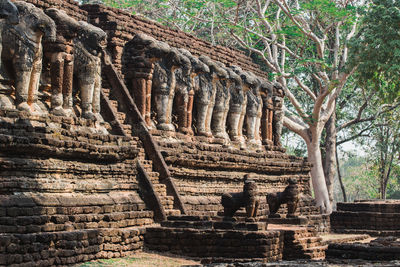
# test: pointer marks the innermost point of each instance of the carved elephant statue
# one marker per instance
(139, 59)
(22, 52)
(89, 45)
(237, 107)
(164, 83)
(206, 95)
(9, 13)
(221, 107)
(60, 57)
(185, 98)
(253, 112)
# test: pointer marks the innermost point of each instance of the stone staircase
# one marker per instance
(302, 243)
(167, 201)
(120, 116)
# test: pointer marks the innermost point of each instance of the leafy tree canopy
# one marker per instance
(376, 48)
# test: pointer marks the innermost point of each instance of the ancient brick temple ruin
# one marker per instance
(118, 133)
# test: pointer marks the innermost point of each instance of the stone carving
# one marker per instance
(89, 44)
(221, 107)
(9, 12)
(61, 58)
(266, 91)
(205, 96)
(185, 97)
(22, 52)
(253, 110)
(290, 196)
(164, 84)
(278, 103)
(237, 106)
(140, 55)
(247, 199)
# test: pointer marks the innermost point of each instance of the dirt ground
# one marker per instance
(143, 259)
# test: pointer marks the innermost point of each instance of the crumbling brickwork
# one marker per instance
(67, 194)
(376, 218)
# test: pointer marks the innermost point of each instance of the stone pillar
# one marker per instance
(267, 112)
(277, 123)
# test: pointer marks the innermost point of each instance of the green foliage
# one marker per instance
(360, 179)
(376, 49)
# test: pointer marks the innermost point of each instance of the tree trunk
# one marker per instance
(330, 154)
(340, 177)
(318, 177)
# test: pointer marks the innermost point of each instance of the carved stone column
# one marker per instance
(266, 119)
(277, 123)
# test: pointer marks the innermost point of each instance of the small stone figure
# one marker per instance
(61, 57)
(185, 98)
(277, 123)
(238, 101)
(290, 196)
(89, 45)
(247, 199)
(22, 52)
(266, 91)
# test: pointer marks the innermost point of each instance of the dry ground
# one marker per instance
(142, 259)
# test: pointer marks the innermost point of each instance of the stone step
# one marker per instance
(114, 104)
(309, 242)
(160, 189)
(147, 164)
(154, 175)
(106, 92)
(121, 116)
(172, 212)
(316, 250)
(127, 129)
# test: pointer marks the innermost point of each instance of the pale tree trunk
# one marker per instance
(317, 175)
(330, 154)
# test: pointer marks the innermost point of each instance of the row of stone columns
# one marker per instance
(225, 97)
